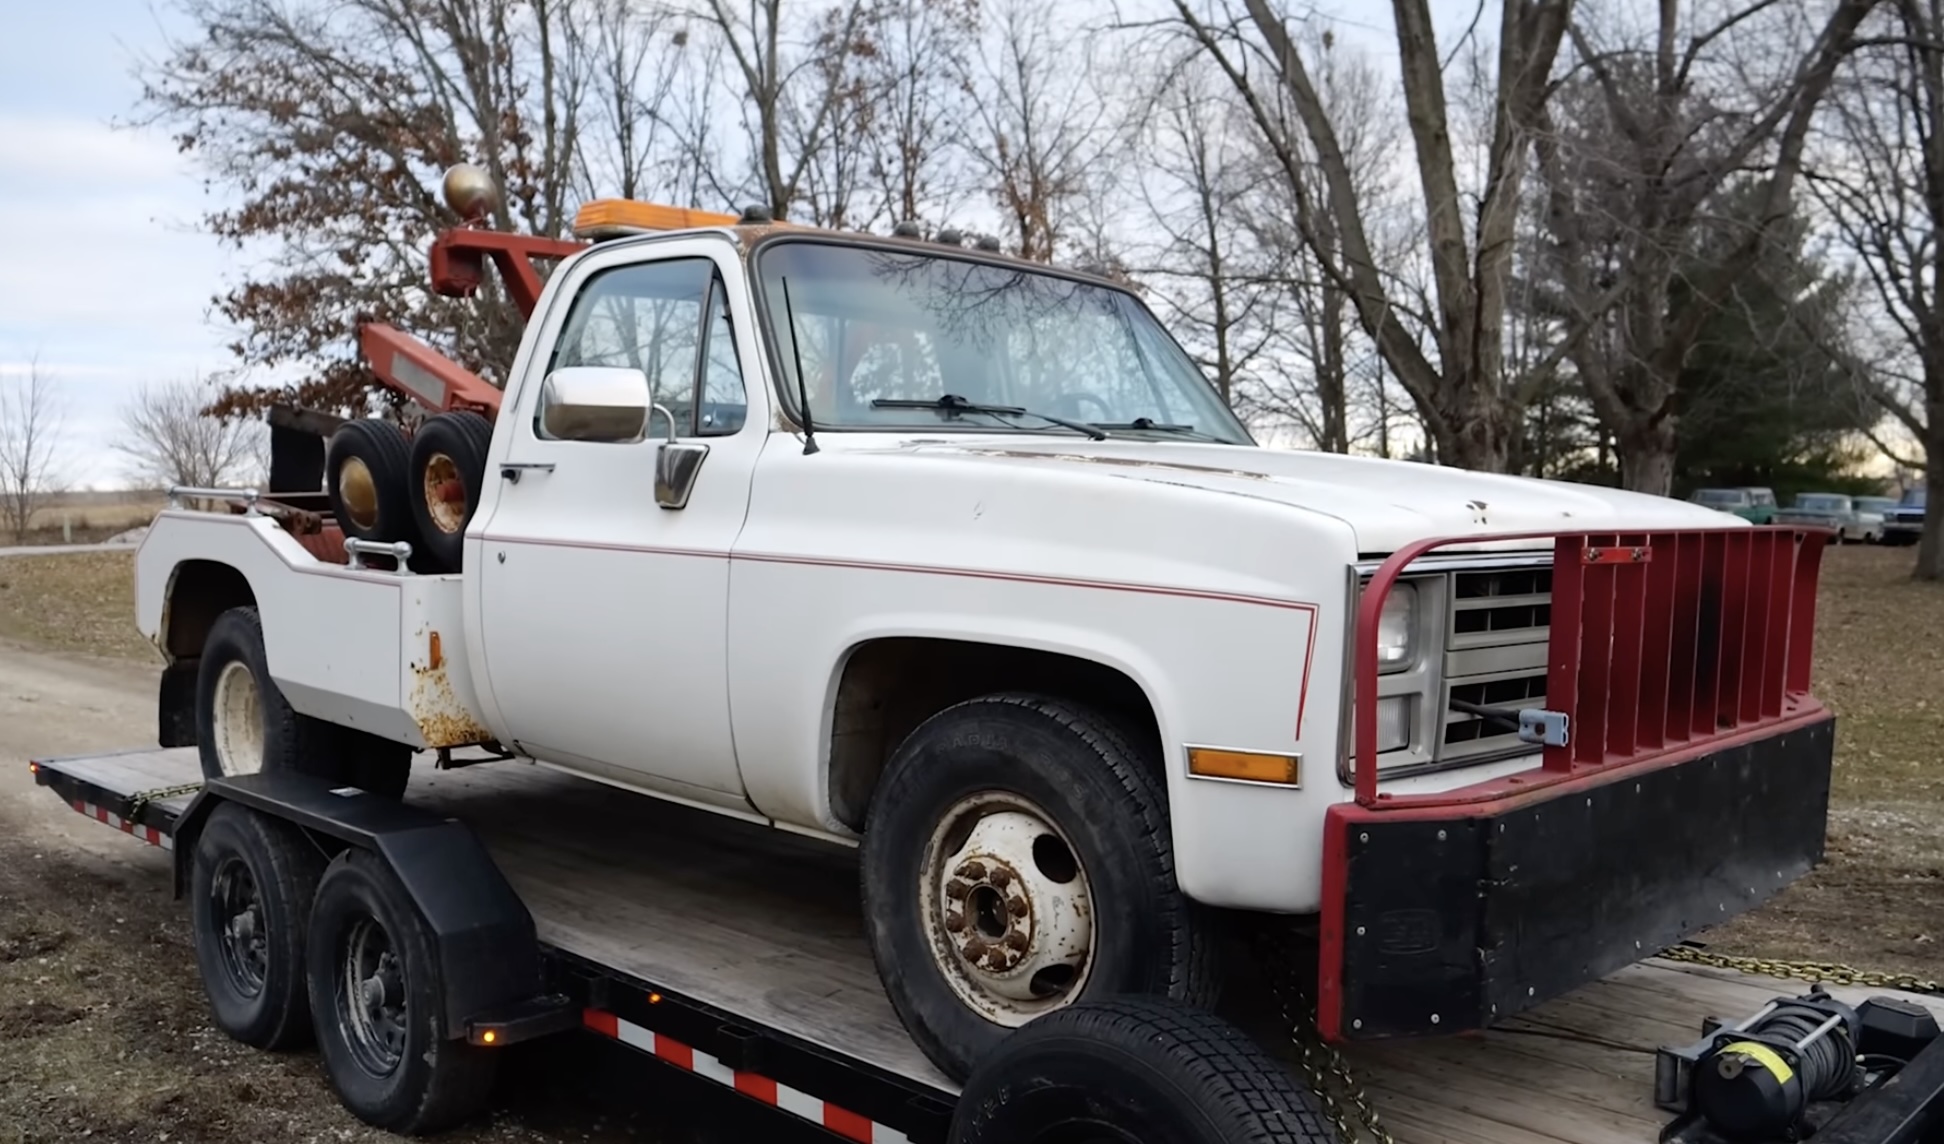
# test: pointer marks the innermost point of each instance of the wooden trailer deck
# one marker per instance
(766, 925)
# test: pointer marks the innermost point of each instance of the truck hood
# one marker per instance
(1388, 504)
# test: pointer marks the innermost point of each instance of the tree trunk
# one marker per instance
(1647, 457)
(1480, 429)
(1930, 549)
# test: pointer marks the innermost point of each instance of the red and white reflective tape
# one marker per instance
(842, 1121)
(148, 834)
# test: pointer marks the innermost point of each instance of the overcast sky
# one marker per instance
(104, 276)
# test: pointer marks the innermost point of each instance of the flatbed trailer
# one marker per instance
(738, 954)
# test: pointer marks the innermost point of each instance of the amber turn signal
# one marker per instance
(1245, 766)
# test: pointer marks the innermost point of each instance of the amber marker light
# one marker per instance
(620, 216)
(1245, 766)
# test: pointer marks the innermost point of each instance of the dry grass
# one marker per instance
(1878, 901)
(76, 602)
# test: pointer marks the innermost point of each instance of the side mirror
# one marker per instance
(595, 403)
(676, 464)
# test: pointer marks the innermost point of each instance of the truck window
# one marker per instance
(669, 320)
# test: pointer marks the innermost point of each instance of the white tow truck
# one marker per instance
(917, 548)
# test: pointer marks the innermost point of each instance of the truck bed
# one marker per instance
(766, 925)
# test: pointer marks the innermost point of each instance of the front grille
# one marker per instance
(1495, 657)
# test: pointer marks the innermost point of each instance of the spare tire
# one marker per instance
(448, 472)
(1144, 1071)
(365, 470)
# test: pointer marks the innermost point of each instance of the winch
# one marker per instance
(1786, 1071)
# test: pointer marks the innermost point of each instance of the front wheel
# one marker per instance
(1017, 859)
(377, 999)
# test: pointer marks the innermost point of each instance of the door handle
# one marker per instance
(511, 470)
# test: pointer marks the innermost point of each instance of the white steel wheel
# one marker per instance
(238, 720)
(1007, 908)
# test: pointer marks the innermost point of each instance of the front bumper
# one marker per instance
(1443, 919)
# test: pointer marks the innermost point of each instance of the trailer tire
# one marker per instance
(449, 450)
(1040, 832)
(377, 1000)
(237, 702)
(251, 887)
(1147, 1070)
(366, 470)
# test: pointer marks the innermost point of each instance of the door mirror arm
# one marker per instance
(676, 464)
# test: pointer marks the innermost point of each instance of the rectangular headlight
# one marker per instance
(1397, 628)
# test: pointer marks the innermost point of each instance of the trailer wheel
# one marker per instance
(250, 896)
(243, 723)
(376, 997)
(1134, 1071)
(447, 475)
(1017, 859)
(366, 470)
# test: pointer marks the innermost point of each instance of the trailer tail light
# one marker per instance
(1657, 641)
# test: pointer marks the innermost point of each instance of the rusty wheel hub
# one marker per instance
(445, 494)
(1011, 921)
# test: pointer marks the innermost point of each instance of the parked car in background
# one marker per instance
(1735, 501)
(1903, 523)
(1874, 511)
(1764, 508)
(1835, 511)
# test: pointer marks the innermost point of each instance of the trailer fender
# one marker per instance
(483, 935)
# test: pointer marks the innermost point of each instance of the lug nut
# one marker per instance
(955, 922)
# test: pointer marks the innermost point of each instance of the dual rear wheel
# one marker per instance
(293, 948)
(422, 489)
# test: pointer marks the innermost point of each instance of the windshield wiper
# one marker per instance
(1150, 425)
(952, 404)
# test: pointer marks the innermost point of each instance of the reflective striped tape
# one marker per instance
(148, 834)
(843, 1122)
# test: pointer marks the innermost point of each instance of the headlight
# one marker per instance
(1397, 627)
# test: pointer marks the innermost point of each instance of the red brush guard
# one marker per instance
(1659, 640)
(1692, 784)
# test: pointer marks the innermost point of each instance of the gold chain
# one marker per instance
(1826, 972)
(1344, 1100)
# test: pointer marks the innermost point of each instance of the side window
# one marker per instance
(668, 320)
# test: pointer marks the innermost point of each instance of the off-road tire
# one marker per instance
(463, 438)
(1100, 791)
(381, 446)
(270, 1009)
(436, 1081)
(1146, 1070)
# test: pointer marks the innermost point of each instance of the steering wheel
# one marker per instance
(1072, 400)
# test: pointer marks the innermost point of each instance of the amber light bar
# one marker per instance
(1245, 766)
(628, 216)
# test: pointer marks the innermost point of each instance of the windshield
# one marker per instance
(1914, 498)
(1822, 502)
(1760, 496)
(1720, 496)
(891, 325)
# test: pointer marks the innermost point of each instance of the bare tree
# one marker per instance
(917, 100)
(1882, 186)
(30, 438)
(330, 123)
(1043, 132)
(167, 439)
(1459, 387)
(1671, 125)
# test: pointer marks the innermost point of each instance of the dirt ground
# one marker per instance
(103, 1033)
